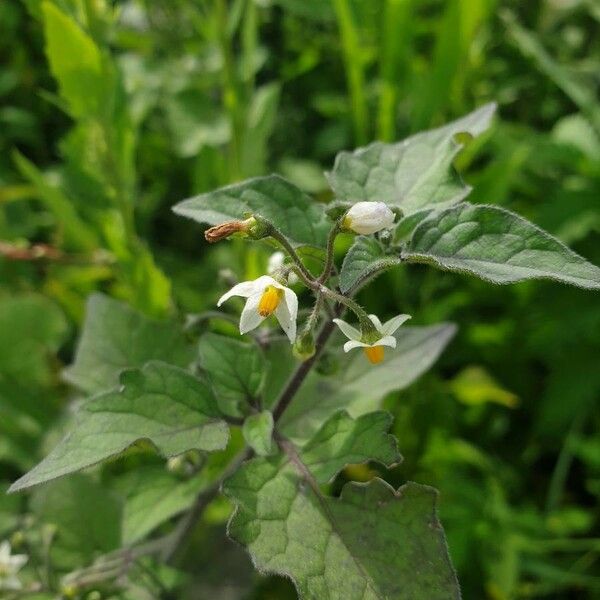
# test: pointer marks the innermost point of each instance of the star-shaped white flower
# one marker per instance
(266, 296)
(374, 350)
(9, 567)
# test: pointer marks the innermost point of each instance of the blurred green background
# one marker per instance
(181, 96)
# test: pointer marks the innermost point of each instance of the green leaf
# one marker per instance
(360, 387)
(342, 440)
(87, 519)
(235, 369)
(497, 246)
(75, 62)
(370, 543)
(153, 495)
(160, 403)
(274, 198)
(414, 174)
(365, 259)
(258, 432)
(116, 337)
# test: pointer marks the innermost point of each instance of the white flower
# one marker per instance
(9, 567)
(265, 297)
(374, 350)
(368, 217)
(276, 262)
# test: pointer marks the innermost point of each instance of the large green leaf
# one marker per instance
(360, 386)
(116, 337)
(365, 259)
(413, 174)
(498, 246)
(235, 369)
(75, 62)
(160, 403)
(370, 543)
(274, 198)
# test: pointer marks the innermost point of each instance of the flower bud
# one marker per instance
(250, 226)
(304, 346)
(368, 217)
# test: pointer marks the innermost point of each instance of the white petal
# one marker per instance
(388, 340)
(347, 329)
(276, 261)
(4, 552)
(291, 300)
(393, 324)
(354, 344)
(375, 320)
(17, 561)
(250, 318)
(244, 289)
(286, 320)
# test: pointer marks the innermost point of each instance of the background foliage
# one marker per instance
(103, 131)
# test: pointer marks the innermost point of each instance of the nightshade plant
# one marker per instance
(303, 425)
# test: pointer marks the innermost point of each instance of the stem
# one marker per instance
(330, 253)
(304, 273)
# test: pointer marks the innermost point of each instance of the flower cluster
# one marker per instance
(270, 295)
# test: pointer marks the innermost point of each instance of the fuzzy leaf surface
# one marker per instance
(497, 246)
(300, 219)
(162, 404)
(116, 337)
(414, 174)
(365, 259)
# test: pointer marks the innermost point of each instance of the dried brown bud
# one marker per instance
(220, 232)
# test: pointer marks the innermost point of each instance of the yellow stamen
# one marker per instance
(269, 301)
(375, 354)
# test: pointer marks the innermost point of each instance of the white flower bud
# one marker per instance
(368, 217)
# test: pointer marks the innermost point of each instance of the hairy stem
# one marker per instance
(330, 253)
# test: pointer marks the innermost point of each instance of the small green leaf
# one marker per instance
(413, 174)
(497, 246)
(370, 543)
(258, 432)
(235, 369)
(153, 495)
(162, 404)
(343, 440)
(274, 198)
(116, 337)
(87, 518)
(361, 386)
(75, 62)
(365, 259)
